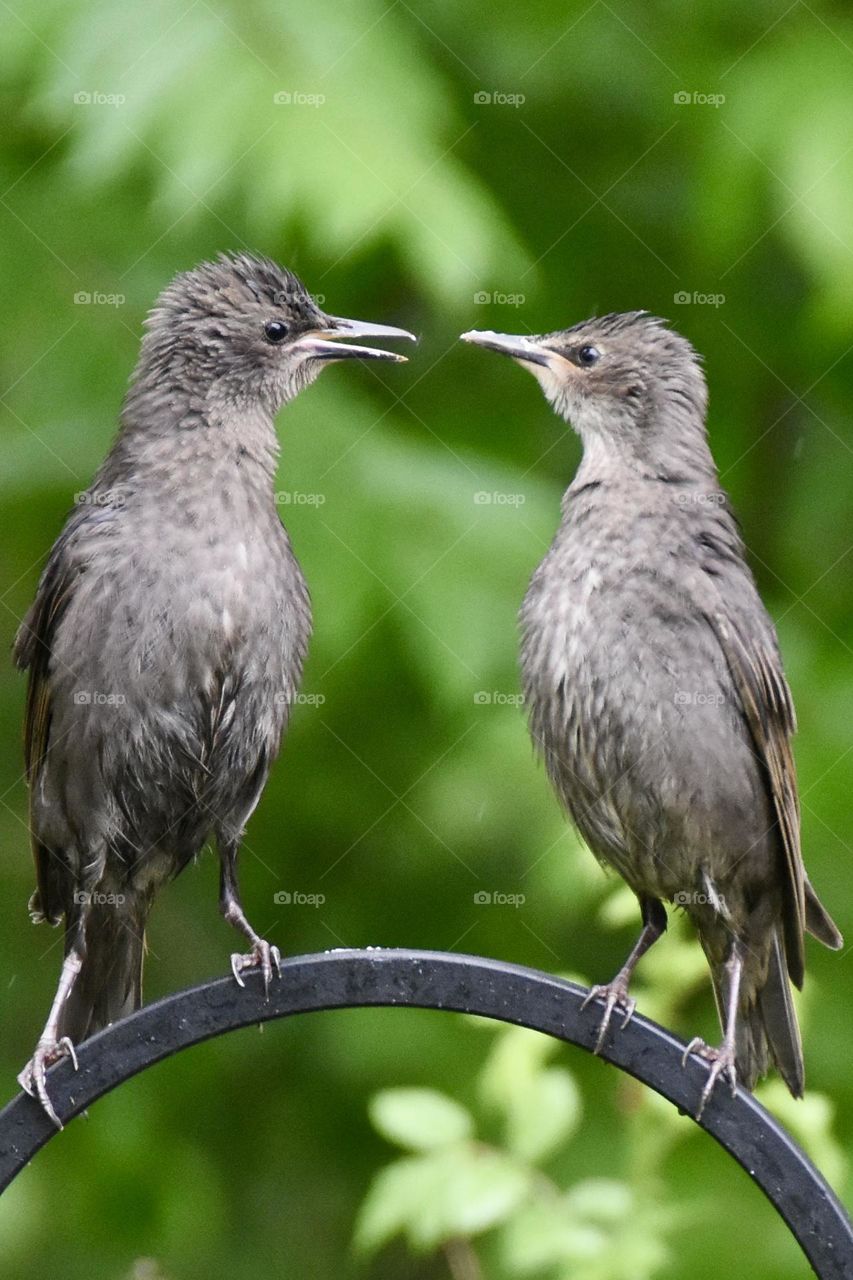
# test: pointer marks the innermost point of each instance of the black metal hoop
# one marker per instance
(462, 984)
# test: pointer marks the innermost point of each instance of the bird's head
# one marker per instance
(624, 381)
(246, 331)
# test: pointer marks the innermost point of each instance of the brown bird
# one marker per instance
(655, 689)
(166, 642)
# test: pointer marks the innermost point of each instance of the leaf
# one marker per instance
(390, 1204)
(544, 1116)
(420, 1119)
(545, 1234)
(457, 1191)
(471, 1191)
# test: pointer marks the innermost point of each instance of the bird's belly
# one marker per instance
(640, 737)
(170, 703)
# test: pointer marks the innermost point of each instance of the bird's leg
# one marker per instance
(615, 993)
(722, 1060)
(262, 955)
(51, 1046)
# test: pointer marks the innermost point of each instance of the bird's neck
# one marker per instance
(615, 460)
(171, 436)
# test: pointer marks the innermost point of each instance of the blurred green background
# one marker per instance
(439, 166)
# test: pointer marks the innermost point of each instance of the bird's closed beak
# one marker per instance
(527, 350)
(325, 344)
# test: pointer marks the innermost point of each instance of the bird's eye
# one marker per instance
(276, 330)
(588, 356)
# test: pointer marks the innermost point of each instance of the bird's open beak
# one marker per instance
(325, 344)
(528, 350)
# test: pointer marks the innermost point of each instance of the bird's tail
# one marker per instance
(767, 1027)
(109, 985)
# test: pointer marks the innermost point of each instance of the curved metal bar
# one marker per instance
(464, 984)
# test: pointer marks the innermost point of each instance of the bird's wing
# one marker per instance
(753, 658)
(33, 652)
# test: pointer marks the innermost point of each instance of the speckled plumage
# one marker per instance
(653, 680)
(167, 638)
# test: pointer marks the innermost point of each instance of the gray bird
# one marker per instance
(655, 689)
(166, 642)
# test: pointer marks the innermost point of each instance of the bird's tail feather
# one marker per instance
(109, 985)
(820, 923)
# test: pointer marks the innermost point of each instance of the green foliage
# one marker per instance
(463, 1188)
(410, 790)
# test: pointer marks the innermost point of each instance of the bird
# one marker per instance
(166, 642)
(654, 686)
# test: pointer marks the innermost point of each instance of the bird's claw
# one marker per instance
(263, 956)
(615, 995)
(33, 1077)
(722, 1062)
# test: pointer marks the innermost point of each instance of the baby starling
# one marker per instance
(166, 642)
(654, 685)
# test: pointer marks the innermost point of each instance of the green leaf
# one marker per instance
(457, 1191)
(545, 1234)
(545, 1116)
(420, 1119)
(391, 1203)
(470, 1190)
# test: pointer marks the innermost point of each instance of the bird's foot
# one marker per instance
(263, 956)
(615, 996)
(722, 1062)
(33, 1077)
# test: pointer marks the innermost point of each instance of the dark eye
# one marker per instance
(276, 330)
(588, 356)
